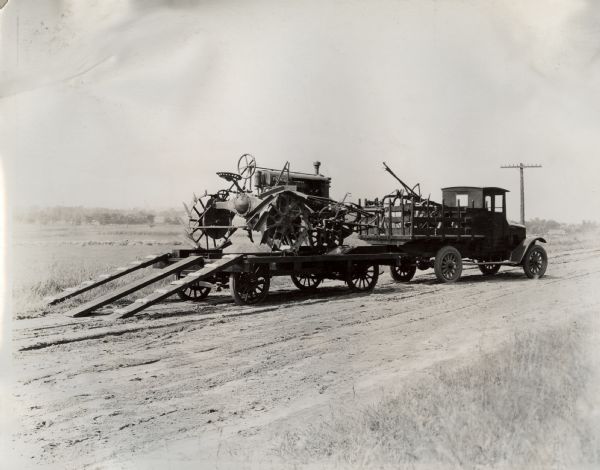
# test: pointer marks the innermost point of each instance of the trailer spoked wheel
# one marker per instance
(250, 288)
(489, 269)
(193, 292)
(405, 271)
(307, 282)
(448, 264)
(362, 277)
(535, 262)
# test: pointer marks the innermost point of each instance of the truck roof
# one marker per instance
(488, 189)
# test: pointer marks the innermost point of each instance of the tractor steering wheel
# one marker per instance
(246, 166)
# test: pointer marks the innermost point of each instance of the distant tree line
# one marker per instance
(543, 226)
(95, 215)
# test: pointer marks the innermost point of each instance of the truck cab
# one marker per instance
(486, 207)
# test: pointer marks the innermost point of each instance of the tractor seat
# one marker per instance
(228, 176)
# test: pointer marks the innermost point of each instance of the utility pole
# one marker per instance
(521, 166)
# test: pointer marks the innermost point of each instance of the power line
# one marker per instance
(522, 166)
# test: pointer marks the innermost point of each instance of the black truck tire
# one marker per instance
(535, 262)
(448, 264)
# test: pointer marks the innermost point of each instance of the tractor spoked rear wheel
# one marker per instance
(287, 225)
(448, 264)
(489, 269)
(249, 288)
(405, 271)
(362, 277)
(208, 227)
(307, 282)
(535, 262)
(193, 292)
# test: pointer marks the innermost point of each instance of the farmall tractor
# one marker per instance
(291, 210)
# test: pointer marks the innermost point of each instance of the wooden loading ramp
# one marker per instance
(105, 278)
(208, 269)
(117, 294)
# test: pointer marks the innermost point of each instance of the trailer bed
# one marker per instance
(199, 271)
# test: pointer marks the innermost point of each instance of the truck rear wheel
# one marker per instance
(448, 264)
(535, 262)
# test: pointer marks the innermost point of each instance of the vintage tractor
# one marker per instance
(290, 210)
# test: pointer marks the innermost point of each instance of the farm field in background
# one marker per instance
(47, 258)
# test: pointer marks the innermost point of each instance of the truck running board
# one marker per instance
(104, 278)
(194, 277)
(134, 286)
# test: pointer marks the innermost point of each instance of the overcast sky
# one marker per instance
(139, 103)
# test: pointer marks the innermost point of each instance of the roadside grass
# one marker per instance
(30, 299)
(49, 259)
(530, 405)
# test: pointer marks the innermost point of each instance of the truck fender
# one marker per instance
(516, 256)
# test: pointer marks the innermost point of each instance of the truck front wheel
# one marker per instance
(535, 262)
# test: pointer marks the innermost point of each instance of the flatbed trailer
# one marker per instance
(247, 275)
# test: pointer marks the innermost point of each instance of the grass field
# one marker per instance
(46, 259)
(49, 258)
(532, 404)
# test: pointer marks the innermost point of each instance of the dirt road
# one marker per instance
(214, 384)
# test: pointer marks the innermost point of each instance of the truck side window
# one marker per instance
(488, 202)
(498, 206)
(462, 199)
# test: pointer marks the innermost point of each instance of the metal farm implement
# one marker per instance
(302, 233)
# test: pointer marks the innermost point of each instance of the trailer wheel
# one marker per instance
(362, 277)
(249, 288)
(489, 269)
(193, 292)
(535, 262)
(306, 282)
(448, 264)
(405, 271)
